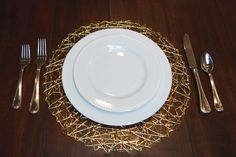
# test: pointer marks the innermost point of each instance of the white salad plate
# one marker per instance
(116, 77)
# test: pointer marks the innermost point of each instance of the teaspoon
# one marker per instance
(207, 65)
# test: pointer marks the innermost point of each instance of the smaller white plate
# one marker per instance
(117, 73)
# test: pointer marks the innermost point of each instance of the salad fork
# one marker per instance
(24, 62)
(40, 61)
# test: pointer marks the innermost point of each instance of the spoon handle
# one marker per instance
(204, 104)
(217, 102)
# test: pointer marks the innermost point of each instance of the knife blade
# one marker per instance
(189, 52)
(204, 104)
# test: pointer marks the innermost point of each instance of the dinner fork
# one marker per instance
(24, 62)
(40, 61)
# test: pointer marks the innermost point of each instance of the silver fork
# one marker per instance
(40, 61)
(24, 61)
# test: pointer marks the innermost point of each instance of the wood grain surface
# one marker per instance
(211, 26)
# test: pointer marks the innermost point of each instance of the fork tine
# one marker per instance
(41, 47)
(29, 52)
(25, 51)
(22, 51)
(45, 48)
(38, 47)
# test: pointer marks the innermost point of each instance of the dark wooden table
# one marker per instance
(211, 26)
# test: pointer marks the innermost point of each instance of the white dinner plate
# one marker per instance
(116, 77)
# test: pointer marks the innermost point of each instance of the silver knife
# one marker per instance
(204, 104)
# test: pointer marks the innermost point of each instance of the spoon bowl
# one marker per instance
(207, 63)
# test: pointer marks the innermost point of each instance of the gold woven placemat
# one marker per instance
(129, 138)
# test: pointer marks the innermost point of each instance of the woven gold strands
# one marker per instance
(129, 138)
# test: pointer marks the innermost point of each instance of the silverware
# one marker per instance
(40, 61)
(207, 65)
(204, 104)
(24, 62)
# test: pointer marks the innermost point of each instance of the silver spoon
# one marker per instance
(207, 65)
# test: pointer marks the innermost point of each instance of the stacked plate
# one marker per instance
(116, 77)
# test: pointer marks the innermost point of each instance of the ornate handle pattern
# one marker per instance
(217, 103)
(18, 94)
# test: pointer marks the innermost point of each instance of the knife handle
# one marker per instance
(204, 104)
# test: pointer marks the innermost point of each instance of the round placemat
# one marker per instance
(128, 138)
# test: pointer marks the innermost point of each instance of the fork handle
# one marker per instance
(18, 94)
(34, 103)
